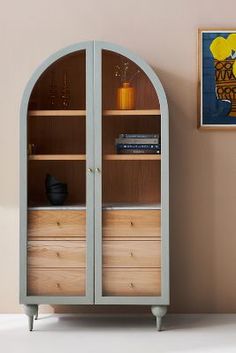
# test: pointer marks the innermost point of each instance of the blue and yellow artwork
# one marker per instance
(218, 78)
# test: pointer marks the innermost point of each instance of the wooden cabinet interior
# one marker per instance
(146, 97)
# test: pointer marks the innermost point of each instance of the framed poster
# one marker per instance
(217, 79)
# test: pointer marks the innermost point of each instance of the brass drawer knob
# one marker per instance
(90, 170)
(98, 170)
(58, 285)
(131, 223)
(131, 285)
(58, 254)
(58, 223)
(131, 254)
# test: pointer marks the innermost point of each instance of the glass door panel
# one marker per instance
(131, 180)
(58, 160)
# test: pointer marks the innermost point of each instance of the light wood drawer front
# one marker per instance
(131, 223)
(66, 253)
(131, 282)
(56, 223)
(139, 253)
(56, 281)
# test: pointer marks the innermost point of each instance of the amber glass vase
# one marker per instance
(125, 96)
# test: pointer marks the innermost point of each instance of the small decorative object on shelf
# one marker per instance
(65, 96)
(125, 93)
(56, 191)
(138, 144)
(53, 97)
(32, 148)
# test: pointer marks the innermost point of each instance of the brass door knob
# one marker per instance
(98, 170)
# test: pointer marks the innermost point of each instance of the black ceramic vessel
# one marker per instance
(56, 191)
(57, 198)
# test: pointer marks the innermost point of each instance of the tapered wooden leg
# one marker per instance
(159, 311)
(31, 310)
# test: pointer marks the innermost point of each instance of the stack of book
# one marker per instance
(138, 144)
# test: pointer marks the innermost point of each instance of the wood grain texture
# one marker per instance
(132, 157)
(139, 180)
(56, 253)
(131, 253)
(131, 182)
(131, 112)
(131, 223)
(71, 172)
(56, 223)
(57, 157)
(74, 66)
(113, 126)
(65, 135)
(57, 113)
(131, 282)
(49, 281)
(146, 97)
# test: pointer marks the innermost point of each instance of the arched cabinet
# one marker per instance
(94, 182)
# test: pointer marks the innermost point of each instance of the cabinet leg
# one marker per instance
(31, 310)
(159, 311)
(37, 313)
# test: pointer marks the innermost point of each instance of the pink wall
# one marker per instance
(203, 163)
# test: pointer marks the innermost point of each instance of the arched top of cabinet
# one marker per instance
(95, 48)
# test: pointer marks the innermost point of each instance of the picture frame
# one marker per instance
(217, 79)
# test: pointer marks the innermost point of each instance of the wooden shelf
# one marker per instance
(57, 157)
(82, 157)
(110, 206)
(112, 112)
(131, 206)
(131, 157)
(57, 113)
(132, 112)
(51, 207)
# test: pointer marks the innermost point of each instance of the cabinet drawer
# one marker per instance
(131, 223)
(136, 253)
(56, 281)
(56, 223)
(131, 282)
(66, 253)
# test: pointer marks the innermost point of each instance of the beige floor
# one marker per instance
(71, 333)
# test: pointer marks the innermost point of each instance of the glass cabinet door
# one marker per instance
(61, 181)
(129, 242)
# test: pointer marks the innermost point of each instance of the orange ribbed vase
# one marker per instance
(125, 96)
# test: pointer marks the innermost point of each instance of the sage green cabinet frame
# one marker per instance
(89, 297)
(99, 298)
(94, 181)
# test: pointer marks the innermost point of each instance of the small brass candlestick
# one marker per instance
(65, 96)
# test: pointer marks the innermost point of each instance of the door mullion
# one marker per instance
(98, 164)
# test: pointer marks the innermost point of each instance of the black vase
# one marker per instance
(57, 198)
(56, 191)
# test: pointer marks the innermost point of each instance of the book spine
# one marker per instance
(137, 146)
(151, 141)
(137, 151)
(138, 136)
